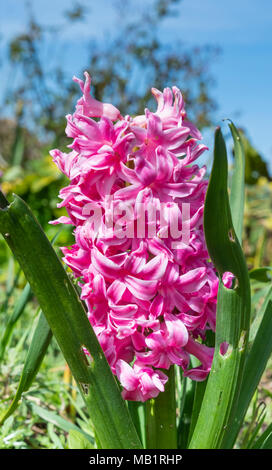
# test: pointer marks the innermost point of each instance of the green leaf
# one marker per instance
(233, 310)
(38, 347)
(11, 284)
(267, 444)
(263, 274)
(17, 312)
(262, 314)
(265, 440)
(237, 191)
(37, 350)
(76, 440)
(258, 425)
(259, 352)
(186, 412)
(19, 308)
(61, 423)
(54, 437)
(68, 321)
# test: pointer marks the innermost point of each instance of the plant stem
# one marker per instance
(161, 430)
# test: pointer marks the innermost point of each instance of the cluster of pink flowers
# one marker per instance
(149, 300)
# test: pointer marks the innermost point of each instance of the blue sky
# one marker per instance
(241, 28)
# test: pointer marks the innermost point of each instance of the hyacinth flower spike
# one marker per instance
(151, 296)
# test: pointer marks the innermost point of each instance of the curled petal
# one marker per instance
(142, 289)
(205, 355)
(126, 375)
(145, 172)
(193, 280)
(90, 106)
(177, 332)
(155, 268)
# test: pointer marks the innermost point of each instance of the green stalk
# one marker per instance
(68, 321)
(161, 430)
(186, 412)
(200, 388)
(137, 411)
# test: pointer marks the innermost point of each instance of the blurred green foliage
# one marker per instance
(257, 240)
(38, 184)
(258, 223)
(257, 231)
(256, 167)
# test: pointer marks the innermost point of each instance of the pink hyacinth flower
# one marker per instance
(136, 199)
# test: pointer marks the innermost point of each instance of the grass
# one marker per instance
(52, 390)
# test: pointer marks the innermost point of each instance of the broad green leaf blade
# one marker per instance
(17, 312)
(259, 352)
(69, 323)
(237, 192)
(233, 310)
(38, 347)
